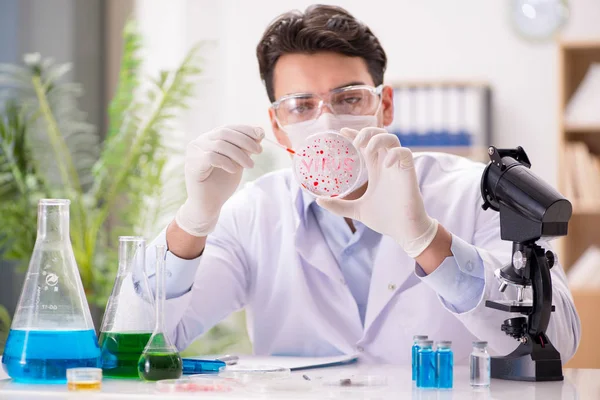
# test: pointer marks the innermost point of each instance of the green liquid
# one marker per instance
(157, 366)
(121, 353)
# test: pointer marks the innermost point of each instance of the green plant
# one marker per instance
(48, 150)
(4, 327)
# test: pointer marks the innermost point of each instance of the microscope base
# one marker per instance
(520, 365)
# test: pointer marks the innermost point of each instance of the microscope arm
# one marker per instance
(541, 282)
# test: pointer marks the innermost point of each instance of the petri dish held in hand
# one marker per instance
(328, 165)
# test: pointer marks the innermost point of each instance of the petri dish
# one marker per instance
(250, 373)
(192, 385)
(84, 379)
(328, 165)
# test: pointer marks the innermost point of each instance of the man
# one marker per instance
(411, 252)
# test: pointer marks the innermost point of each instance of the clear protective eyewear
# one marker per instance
(349, 100)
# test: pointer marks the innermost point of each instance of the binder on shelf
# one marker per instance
(445, 115)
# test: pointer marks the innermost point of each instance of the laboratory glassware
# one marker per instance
(480, 365)
(84, 379)
(426, 365)
(415, 350)
(328, 165)
(129, 316)
(160, 359)
(444, 362)
(52, 329)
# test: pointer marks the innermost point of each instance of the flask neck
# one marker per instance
(53, 220)
(131, 254)
(160, 289)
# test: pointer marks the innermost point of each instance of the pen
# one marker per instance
(229, 360)
(196, 366)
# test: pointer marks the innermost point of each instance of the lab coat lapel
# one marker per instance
(393, 271)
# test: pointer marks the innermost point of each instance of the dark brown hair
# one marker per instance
(319, 28)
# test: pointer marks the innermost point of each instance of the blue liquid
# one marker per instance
(415, 350)
(426, 368)
(45, 356)
(445, 365)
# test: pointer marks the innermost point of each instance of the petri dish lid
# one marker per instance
(328, 165)
(192, 385)
(249, 373)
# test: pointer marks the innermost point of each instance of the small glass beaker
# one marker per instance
(129, 316)
(328, 165)
(52, 329)
(160, 359)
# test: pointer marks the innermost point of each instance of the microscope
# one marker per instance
(529, 210)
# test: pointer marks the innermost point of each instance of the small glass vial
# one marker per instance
(444, 361)
(480, 365)
(415, 349)
(426, 370)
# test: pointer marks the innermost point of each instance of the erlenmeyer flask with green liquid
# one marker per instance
(52, 329)
(160, 359)
(129, 316)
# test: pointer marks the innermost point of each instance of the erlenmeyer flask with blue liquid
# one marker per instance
(52, 329)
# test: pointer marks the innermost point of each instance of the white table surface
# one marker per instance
(578, 384)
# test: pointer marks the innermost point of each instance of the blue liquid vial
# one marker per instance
(36, 356)
(415, 349)
(444, 361)
(426, 371)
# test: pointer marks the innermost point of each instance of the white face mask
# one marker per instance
(326, 122)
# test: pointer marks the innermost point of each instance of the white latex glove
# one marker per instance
(213, 169)
(392, 204)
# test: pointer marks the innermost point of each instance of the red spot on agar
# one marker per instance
(315, 183)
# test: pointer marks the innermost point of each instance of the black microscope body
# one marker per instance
(529, 210)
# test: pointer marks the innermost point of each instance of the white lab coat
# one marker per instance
(262, 258)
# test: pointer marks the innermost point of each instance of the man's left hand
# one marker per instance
(392, 204)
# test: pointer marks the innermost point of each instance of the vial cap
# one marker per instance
(480, 345)
(425, 343)
(444, 344)
(420, 337)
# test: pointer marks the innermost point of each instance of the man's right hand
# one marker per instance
(213, 170)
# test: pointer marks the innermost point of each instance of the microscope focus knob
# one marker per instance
(552, 258)
(519, 260)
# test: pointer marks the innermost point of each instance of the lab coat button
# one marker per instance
(360, 349)
(469, 266)
(391, 286)
(342, 281)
